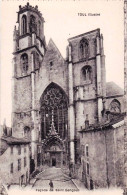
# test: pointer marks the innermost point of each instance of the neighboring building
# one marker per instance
(102, 146)
(55, 98)
(14, 159)
(102, 157)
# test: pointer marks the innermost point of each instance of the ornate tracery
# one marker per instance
(84, 48)
(24, 25)
(54, 104)
(115, 106)
(24, 61)
(32, 24)
(86, 71)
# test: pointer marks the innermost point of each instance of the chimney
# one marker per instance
(4, 128)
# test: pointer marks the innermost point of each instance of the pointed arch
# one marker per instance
(54, 103)
(86, 74)
(84, 48)
(24, 61)
(24, 24)
(54, 85)
(39, 28)
(51, 141)
(27, 132)
(115, 106)
(32, 25)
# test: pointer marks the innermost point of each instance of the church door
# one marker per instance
(53, 162)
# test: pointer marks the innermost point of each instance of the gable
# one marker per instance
(55, 67)
(53, 54)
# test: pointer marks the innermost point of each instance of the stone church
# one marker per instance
(57, 100)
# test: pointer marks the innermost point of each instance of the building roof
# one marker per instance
(2, 150)
(98, 30)
(15, 141)
(113, 123)
(119, 124)
(112, 89)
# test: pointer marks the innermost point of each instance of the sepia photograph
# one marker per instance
(63, 93)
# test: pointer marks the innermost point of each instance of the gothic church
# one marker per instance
(54, 99)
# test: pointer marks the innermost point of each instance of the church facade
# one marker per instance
(55, 99)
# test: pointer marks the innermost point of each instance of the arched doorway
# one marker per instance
(54, 125)
(53, 161)
(54, 151)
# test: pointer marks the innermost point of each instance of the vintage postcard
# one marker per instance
(63, 126)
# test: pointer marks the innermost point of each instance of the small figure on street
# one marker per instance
(51, 185)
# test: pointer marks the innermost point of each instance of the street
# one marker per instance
(61, 182)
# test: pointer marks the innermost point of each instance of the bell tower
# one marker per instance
(30, 29)
(87, 85)
(29, 50)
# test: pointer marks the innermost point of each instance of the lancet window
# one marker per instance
(33, 25)
(87, 73)
(84, 48)
(24, 25)
(24, 61)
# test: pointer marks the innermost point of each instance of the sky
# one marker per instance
(62, 21)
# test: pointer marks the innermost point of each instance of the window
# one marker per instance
(11, 168)
(51, 65)
(26, 131)
(39, 149)
(11, 149)
(33, 25)
(82, 149)
(19, 150)
(83, 165)
(24, 25)
(54, 105)
(5, 130)
(87, 168)
(84, 48)
(39, 28)
(19, 164)
(87, 151)
(86, 73)
(24, 61)
(24, 161)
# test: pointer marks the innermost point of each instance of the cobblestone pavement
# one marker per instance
(60, 180)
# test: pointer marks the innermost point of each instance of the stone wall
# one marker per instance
(91, 36)
(119, 98)
(83, 108)
(105, 156)
(5, 165)
(53, 69)
(85, 91)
